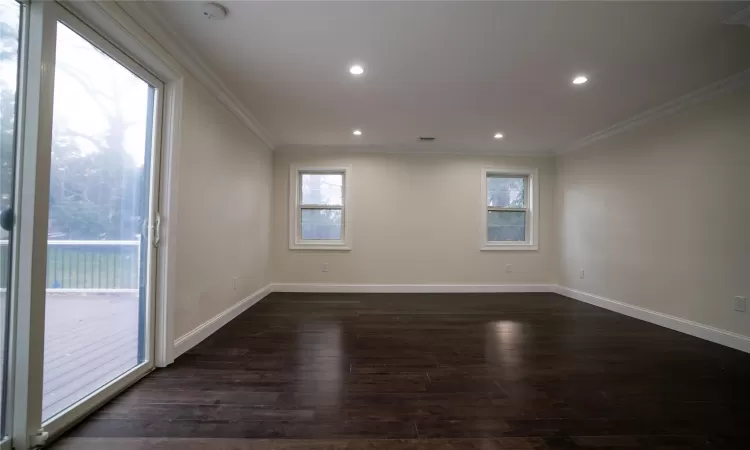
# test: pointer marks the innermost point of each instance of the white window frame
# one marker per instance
(295, 196)
(532, 206)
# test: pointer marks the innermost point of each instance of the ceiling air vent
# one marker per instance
(425, 138)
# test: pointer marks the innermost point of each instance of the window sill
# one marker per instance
(501, 247)
(327, 247)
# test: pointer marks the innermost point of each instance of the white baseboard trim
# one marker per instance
(207, 328)
(409, 288)
(699, 330)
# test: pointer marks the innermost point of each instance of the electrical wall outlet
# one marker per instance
(740, 304)
(325, 267)
(582, 273)
(508, 268)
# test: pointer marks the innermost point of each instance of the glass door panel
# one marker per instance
(100, 201)
(10, 31)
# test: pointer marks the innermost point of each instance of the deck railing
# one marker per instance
(87, 265)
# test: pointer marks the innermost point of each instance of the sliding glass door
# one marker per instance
(78, 247)
(101, 186)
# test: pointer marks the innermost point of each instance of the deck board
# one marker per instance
(90, 339)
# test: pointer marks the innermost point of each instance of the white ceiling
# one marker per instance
(459, 71)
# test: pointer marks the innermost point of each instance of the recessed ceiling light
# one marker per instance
(498, 135)
(357, 132)
(580, 79)
(356, 70)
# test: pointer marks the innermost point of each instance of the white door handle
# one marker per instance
(157, 230)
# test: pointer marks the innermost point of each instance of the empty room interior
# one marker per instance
(370, 225)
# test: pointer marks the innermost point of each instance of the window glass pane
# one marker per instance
(506, 192)
(321, 224)
(322, 188)
(10, 26)
(506, 226)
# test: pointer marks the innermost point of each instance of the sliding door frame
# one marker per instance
(58, 423)
(31, 224)
(123, 24)
(30, 256)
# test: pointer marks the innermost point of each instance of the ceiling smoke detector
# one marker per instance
(213, 11)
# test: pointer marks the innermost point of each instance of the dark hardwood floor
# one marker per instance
(433, 371)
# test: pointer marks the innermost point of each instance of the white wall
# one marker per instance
(223, 220)
(416, 220)
(659, 217)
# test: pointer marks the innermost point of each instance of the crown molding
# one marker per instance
(405, 150)
(686, 101)
(147, 16)
(740, 18)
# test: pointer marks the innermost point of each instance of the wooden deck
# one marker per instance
(89, 340)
